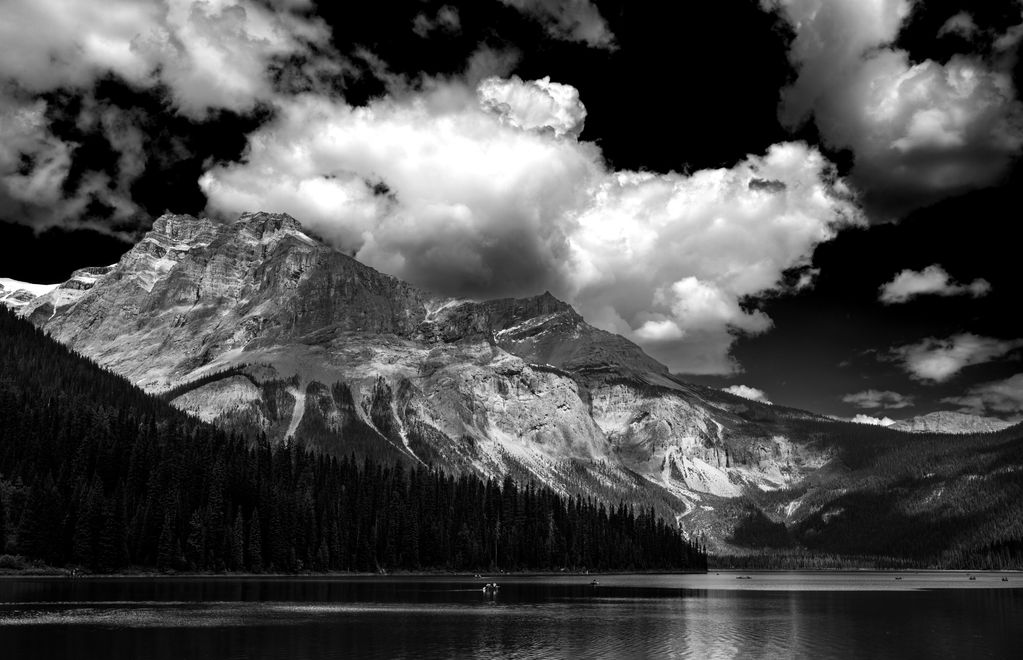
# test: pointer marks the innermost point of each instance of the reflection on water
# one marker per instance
(814, 615)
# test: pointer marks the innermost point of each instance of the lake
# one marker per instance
(770, 615)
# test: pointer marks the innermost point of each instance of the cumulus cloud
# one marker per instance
(937, 360)
(574, 20)
(872, 421)
(932, 280)
(751, 393)
(1003, 398)
(919, 131)
(209, 53)
(878, 399)
(534, 104)
(436, 187)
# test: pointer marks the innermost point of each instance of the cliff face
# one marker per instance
(193, 290)
(262, 328)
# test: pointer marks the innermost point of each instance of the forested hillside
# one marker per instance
(96, 473)
(893, 499)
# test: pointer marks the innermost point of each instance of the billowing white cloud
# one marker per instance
(878, 399)
(937, 360)
(751, 393)
(574, 20)
(673, 261)
(209, 53)
(1003, 398)
(872, 421)
(919, 131)
(436, 188)
(535, 104)
(933, 280)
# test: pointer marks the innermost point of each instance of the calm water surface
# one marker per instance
(771, 615)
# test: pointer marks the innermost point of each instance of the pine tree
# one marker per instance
(237, 554)
(39, 532)
(169, 551)
(111, 546)
(86, 529)
(254, 548)
(3, 524)
(195, 546)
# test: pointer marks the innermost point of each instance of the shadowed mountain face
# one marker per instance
(263, 329)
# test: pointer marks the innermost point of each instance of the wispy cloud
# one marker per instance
(872, 421)
(937, 360)
(746, 392)
(932, 280)
(575, 20)
(878, 399)
(1002, 398)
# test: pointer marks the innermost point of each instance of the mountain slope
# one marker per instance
(96, 473)
(264, 330)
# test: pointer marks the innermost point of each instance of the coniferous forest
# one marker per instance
(98, 474)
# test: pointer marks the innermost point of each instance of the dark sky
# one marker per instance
(915, 105)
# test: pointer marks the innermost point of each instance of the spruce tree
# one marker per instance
(3, 524)
(254, 547)
(111, 545)
(169, 549)
(237, 542)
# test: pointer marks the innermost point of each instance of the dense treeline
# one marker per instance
(94, 472)
(894, 499)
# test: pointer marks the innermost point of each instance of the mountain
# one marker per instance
(944, 421)
(262, 329)
(95, 473)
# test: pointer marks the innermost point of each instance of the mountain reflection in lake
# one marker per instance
(812, 615)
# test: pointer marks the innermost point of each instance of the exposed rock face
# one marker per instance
(944, 421)
(193, 290)
(262, 328)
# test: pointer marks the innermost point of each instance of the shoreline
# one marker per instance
(61, 574)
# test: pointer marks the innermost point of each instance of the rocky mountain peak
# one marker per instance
(262, 224)
(182, 228)
(509, 312)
